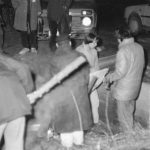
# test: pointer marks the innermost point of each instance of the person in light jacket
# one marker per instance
(88, 49)
(15, 83)
(127, 77)
(26, 15)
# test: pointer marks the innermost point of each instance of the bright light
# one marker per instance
(49, 33)
(86, 21)
(84, 12)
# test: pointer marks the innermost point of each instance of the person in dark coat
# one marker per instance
(66, 108)
(58, 12)
(15, 83)
(26, 15)
(127, 77)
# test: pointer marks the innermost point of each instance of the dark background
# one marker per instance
(114, 9)
(109, 11)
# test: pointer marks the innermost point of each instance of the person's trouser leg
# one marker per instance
(63, 26)
(24, 39)
(95, 105)
(14, 134)
(33, 39)
(53, 28)
(125, 110)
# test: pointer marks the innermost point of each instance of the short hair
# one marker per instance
(89, 38)
(123, 33)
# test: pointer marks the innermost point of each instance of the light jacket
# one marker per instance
(91, 55)
(128, 70)
(15, 83)
(20, 21)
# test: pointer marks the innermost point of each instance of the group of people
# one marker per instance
(16, 80)
(69, 109)
(26, 21)
(127, 78)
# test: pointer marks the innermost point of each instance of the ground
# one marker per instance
(105, 134)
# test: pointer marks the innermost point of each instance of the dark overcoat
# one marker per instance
(20, 21)
(15, 83)
(66, 107)
(57, 8)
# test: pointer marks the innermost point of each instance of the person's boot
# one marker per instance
(24, 51)
(33, 50)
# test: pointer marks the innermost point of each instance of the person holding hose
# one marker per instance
(127, 77)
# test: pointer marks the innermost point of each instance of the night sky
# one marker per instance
(125, 2)
(113, 9)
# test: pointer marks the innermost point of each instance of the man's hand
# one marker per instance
(32, 97)
(107, 81)
(100, 75)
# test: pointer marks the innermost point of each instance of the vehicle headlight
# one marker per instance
(86, 12)
(86, 21)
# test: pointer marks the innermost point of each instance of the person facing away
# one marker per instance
(26, 16)
(15, 83)
(127, 76)
(58, 13)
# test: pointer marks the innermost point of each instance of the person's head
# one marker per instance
(122, 33)
(91, 39)
(99, 42)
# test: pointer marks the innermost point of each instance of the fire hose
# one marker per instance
(56, 79)
(108, 88)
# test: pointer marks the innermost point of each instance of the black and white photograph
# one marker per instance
(74, 74)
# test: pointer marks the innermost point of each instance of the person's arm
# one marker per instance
(21, 70)
(120, 67)
(25, 77)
